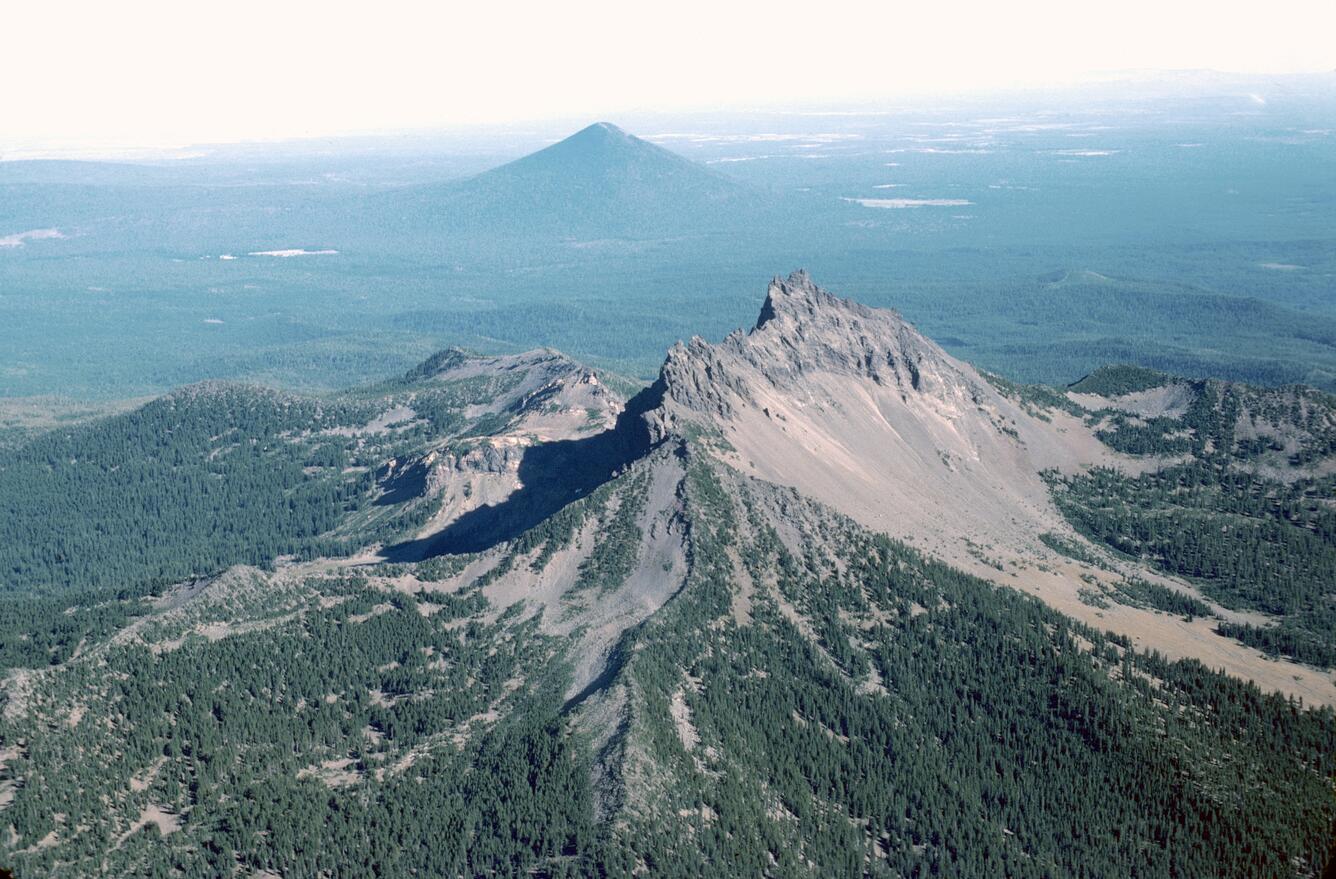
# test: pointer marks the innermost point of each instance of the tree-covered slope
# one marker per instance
(493, 618)
(840, 706)
(791, 695)
(1241, 501)
(214, 475)
(190, 483)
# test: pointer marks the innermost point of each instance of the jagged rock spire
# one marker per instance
(789, 296)
(798, 298)
(803, 332)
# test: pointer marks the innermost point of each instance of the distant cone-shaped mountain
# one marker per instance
(600, 181)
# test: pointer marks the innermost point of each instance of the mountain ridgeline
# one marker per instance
(820, 600)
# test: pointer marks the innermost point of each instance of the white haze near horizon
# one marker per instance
(153, 73)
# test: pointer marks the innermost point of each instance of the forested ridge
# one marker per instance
(810, 699)
(100, 517)
(188, 484)
(218, 474)
(864, 711)
(1239, 507)
(933, 724)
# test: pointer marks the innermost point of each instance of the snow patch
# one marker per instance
(18, 238)
(1084, 153)
(896, 203)
(942, 151)
(292, 252)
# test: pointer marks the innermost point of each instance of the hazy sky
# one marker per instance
(145, 72)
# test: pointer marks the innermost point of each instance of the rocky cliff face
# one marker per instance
(853, 406)
(508, 405)
(804, 331)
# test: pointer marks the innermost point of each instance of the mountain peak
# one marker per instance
(804, 338)
(797, 297)
(602, 146)
(854, 407)
(600, 182)
(604, 130)
(601, 137)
